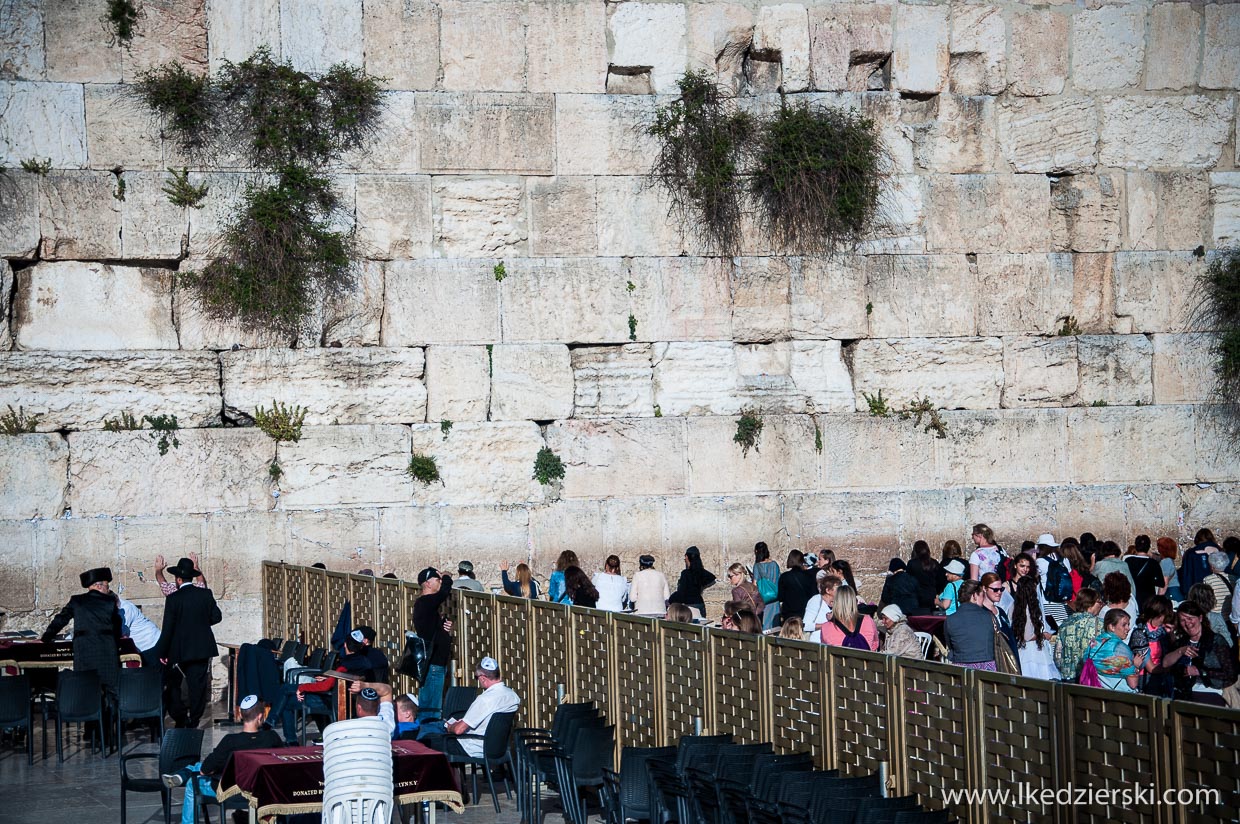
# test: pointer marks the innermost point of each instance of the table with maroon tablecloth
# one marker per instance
(290, 780)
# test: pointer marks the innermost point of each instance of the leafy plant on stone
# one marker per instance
(1217, 310)
(164, 430)
(119, 192)
(17, 422)
(632, 327)
(748, 431)
(36, 166)
(877, 404)
(182, 193)
(281, 253)
(121, 16)
(1069, 328)
(423, 468)
(1099, 404)
(499, 271)
(817, 437)
(548, 467)
(445, 426)
(280, 422)
(274, 471)
(917, 410)
(124, 423)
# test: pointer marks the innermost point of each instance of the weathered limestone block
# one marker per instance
(1108, 48)
(1183, 368)
(1175, 47)
(865, 522)
(565, 300)
(42, 121)
(633, 220)
(1093, 294)
(847, 44)
(987, 213)
(496, 133)
(197, 329)
(152, 227)
(784, 30)
(440, 301)
(480, 463)
(696, 378)
(1116, 369)
(1173, 133)
(1225, 193)
(79, 217)
(1040, 371)
(1003, 447)
(1214, 504)
(394, 216)
(1155, 289)
(317, 34)
(899, 225)
(93, 306)
(954, 373)
(1220, 63)
(442, 536)
(828, 298)
(613, 458)
(395, 145)
(22, 56)
(354, 319)
(862, 452)
(1166, 210)
(402, 42)
(1022, 293)
(79, 390)
(598, 134)
(6, 289)
(33, 476)
(122, 473)
(167, 30)
(482, 45)
(208, 222)
(1038, 55)
(340, 466)
(118, 132)
(784, 459)
(531, 382)
(19, 214)
(78, 43)
(1086, 213)
(821, 377)
(681, 298)
(362, 385)
(649, 35)
(978, 47)
(919, 61)
(17, 575)
(1213, 461)
(563, 216)
(479, 217)
(886, 109)
(613, 381)
(567, 47)
(920, 295)
(761, 298)
(1052, 135)
(1113, 445)
(716, 36)
(952, 134)
(458, 383)
(236, 28)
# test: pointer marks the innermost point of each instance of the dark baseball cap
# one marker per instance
(427, 574)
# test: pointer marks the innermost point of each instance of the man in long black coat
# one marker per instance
(96, 628)
(187, 644)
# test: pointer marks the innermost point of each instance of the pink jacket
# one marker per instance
(833, 636)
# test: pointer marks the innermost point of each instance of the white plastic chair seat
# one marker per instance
(357, 772)
(926, 640)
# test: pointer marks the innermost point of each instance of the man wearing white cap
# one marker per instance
(496, 697)
(204, 777)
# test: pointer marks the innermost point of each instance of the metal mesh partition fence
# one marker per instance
(937, 728)
(389, 627)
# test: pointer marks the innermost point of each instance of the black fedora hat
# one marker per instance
(93, 576)
(184, 570)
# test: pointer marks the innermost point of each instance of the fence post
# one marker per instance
(827, 667)
(894, 702)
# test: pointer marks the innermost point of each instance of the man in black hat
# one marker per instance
(96, 628)
(187, 644)
(436, 634)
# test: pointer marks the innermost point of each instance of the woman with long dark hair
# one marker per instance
(578, 588)
(1033, 641)
(923, 567)
(766, 577)
(693, 579)
(555, 586)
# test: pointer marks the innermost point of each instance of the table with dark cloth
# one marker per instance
(290, 780)
(56, 655)
(932, 624)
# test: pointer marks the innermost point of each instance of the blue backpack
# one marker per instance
(1058, 582)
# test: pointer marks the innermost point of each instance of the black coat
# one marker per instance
(903, 590)
(96, 634)
(796, 587)
(189, 614)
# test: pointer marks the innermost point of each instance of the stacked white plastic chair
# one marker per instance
(357, 772)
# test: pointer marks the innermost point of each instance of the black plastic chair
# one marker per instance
(457, 701)
(494, 754)
(921, 817)
(203, 803)
(79, 700)
(140, 694)
(633, 793)
(179, 749)
(15, 710)
(583, 768)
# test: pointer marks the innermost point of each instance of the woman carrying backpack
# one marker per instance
(847, 627)
(766, 579)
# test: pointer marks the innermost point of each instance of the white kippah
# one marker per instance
(357, 636)
(249, 701)
(489, 664)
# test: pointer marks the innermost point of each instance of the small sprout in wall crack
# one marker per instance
(1103, 403)
(121, 17)
(182, 193)
(548, 467)
(1070, 327)
(38, 167)
(164, 431)
(490, 360)
(869, 308)
(631, 287)
(445, 426)
(499, 271)
(18, 422)
(281, 422)
(274, 471)
(877, 403)
(423, 468)
(924, 408)
(125, 423)
(119, 194)
(658, 411)
(817, 437)
(632, 327)
(748, 430)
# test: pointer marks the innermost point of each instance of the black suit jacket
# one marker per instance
(189, 614)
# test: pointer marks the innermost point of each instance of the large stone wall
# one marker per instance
(1046, 163)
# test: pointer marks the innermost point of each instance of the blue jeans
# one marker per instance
(286, 710)
(430, 699)
(195, 785)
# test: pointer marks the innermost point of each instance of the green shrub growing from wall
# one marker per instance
(1218, 311)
